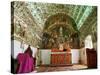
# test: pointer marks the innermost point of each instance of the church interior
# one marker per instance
(65, 34)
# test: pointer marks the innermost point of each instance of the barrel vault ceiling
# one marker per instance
(33, 16)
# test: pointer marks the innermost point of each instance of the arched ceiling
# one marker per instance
(33, 16)
(41, 11)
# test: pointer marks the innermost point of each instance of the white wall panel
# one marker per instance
(45, 56)
(75, 56)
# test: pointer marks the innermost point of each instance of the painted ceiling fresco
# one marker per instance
(31, 20)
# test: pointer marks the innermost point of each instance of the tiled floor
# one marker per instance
(57, 68)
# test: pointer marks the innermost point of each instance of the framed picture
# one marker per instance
(49, 37)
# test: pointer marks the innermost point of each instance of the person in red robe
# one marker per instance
(25, 61)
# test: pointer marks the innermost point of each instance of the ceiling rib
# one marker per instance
(84, 16)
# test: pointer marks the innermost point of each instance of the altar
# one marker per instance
(59, 57)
